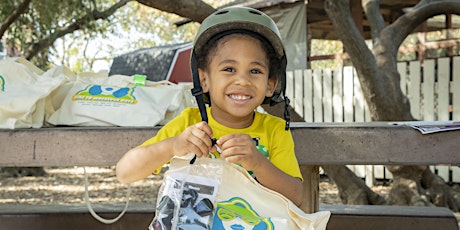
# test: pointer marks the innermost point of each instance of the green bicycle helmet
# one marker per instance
(239, 20)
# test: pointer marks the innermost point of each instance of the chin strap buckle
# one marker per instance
(196, 91)
(287, 116)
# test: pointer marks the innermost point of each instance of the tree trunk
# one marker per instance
(406, 188)
(438, 192)
(352, 190)
(419, 186)
(380, 82)
(278, 110)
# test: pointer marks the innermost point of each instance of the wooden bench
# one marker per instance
(316, 144)
(139, 215)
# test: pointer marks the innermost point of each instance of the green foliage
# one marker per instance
(432, 37)
(326, 47)
(131, 27)
(42, 19)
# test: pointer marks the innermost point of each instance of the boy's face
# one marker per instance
(237, 78)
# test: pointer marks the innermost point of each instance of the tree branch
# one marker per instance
(13, 16)
(196, 10)
(353, 42)
(386, 50)
(395, 33)
(345, 27)
(375, 18)
(78, 24)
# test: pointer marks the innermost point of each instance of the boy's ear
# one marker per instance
(271, 86)
(203, 80)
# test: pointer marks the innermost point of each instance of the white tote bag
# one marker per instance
(214, 194)
(99, 100)
(23, 92)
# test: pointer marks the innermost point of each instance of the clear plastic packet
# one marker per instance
(186, 197)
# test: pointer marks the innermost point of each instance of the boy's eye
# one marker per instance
(256, 71)
(229, 69)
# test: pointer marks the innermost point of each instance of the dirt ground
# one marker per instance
(67, 186)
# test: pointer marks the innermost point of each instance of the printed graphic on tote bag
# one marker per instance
(186, 203)
(237, 213)
(2, 84)
(100, 94)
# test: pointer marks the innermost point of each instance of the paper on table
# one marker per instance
(426, 127)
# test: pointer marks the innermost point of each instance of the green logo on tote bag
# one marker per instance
(101, 94)
(2, 83)
(237, 213)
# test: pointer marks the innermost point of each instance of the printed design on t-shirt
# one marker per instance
(101, 94)
(237, 213)
(262, 149)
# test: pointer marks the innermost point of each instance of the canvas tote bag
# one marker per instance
(24, 89)
(214, 194)
(95, 99)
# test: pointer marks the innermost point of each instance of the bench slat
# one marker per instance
(368, 143)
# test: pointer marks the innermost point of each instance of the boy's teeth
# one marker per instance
(239, 97)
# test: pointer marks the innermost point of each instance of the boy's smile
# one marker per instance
(239, 97)
(237, 79)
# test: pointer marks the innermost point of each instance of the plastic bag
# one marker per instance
(186, 197)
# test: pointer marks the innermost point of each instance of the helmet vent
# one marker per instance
(222, 12)
(254, 12)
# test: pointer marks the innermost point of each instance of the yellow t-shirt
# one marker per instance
(267, 131)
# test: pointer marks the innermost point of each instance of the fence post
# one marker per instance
(337, 96)
(348, 93)
(443, 88)
(327, 96)
(297, 101)
(456, 89)
(308, 95)
(428, 90)
(414, 88)
(318, 96)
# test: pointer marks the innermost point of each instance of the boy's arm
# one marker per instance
(140, 162)
(273, 178)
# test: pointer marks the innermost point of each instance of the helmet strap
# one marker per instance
(197, 90)
(287, 116)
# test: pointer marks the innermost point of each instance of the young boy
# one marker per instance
(238, 62)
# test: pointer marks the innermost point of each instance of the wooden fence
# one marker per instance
(326, 95)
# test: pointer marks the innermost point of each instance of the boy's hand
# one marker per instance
(240, 148)
(195, 139)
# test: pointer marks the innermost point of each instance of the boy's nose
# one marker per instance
(243, 79)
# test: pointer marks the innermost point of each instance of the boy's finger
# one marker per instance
(201, 145)
(230, 140)
(204, 127)
(202, 135)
